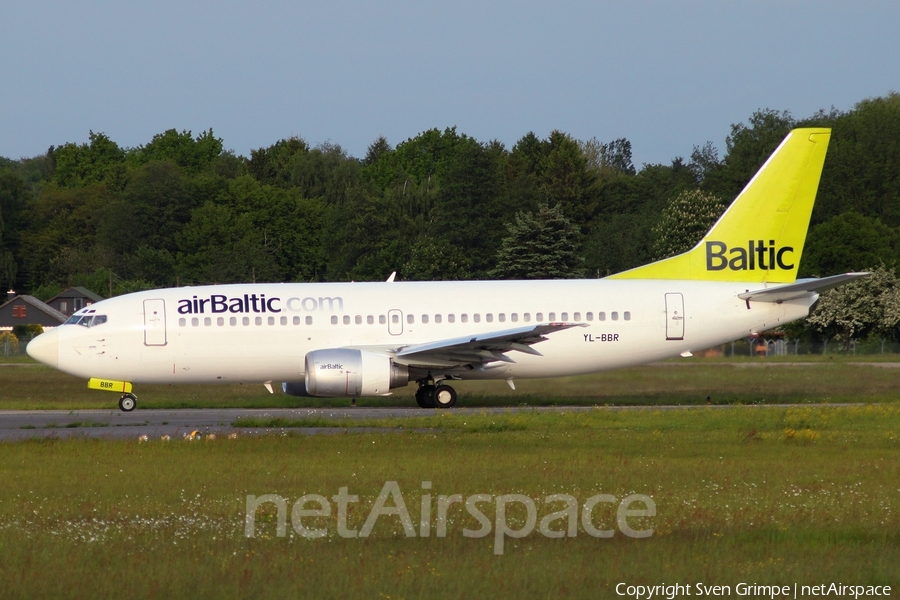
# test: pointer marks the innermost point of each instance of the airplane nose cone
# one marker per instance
(45, 348)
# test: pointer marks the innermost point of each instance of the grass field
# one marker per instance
(760, 494)
(25, 385)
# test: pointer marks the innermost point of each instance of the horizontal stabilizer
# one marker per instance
(803, 287)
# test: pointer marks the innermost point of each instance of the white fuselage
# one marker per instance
(262, 332)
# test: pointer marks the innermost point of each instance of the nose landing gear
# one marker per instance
(127, 402)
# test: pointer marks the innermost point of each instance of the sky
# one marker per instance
(666, 75)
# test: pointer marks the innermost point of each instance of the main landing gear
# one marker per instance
(430, 395)
(127, 402)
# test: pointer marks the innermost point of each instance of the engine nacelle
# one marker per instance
(343, 373)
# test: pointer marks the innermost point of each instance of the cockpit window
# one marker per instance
(86, 320)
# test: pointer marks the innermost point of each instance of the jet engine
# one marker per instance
(342, 373)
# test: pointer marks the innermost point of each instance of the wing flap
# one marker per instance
(482, 348)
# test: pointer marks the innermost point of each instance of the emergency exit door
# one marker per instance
(395, 322)
(674, 317)
(155, 322)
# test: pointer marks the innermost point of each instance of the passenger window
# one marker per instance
(627, 315)
(258, 320)
(464, 318)
(411, 319)
(182, 322)
(539, 317)
(551, 316)
(437, 318)
(358, 319)
(309, 320)
(346, 319)
(334, 319)
(489, 318)
(370, 320)
(232, 321)
(424, 318)
(207, 321)
(220, 321)
(195, 322)
(527, 317)
(514, 317)
(614, 315)
(284, 320)
(589, 316)
(577, 316)
(296, 320)
(245, 321)
(451, 318)
(502, 317)
(601, 316)
(564, 316)
(476, 318)
(271, 320)
(395, 318)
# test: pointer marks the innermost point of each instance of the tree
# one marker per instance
(683, 223)
(326, 172)
(860, 172)
(273, 165)
(218, 246)
(156, 206)
(431, 260)
(291, 224)
(59, 240)
(540, 246)
(192, 155)
(365, 239)
(704, 162)
(845, 243)
(95, 162)
(467, 209)
(870, 305)
(13, 196)
(566, 180)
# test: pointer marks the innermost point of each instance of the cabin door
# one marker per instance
(155, 322)
(674, 317)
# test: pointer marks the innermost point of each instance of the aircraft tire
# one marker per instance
(444, 396)
(128, 402)
(425, 396)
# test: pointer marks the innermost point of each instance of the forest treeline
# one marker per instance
(182, 209)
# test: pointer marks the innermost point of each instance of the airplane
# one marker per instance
(338, 340)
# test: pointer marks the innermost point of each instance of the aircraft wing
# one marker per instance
(803, 287)
(479, 349)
